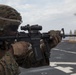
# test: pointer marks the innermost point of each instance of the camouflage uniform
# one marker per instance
(8, 65)
(9, 17)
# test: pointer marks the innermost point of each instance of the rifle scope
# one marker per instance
(33, 27)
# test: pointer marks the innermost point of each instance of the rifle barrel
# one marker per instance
(68, 35)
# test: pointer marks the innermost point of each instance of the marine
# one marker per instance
(8, 17)
(22, 50)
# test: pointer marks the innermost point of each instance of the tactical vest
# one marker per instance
(9, 64)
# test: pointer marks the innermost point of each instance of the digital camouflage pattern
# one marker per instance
(8, 65)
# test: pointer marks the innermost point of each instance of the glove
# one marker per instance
(56, 37)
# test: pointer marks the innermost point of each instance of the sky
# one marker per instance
(50, 14)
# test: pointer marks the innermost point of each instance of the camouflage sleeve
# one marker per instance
(8, 65)
(1, 70)
(22, 53)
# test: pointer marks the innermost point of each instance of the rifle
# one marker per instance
(33, 36)
(63, 35)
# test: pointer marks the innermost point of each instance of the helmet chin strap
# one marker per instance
(2, 18)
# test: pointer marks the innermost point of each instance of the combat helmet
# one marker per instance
(9, 16)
